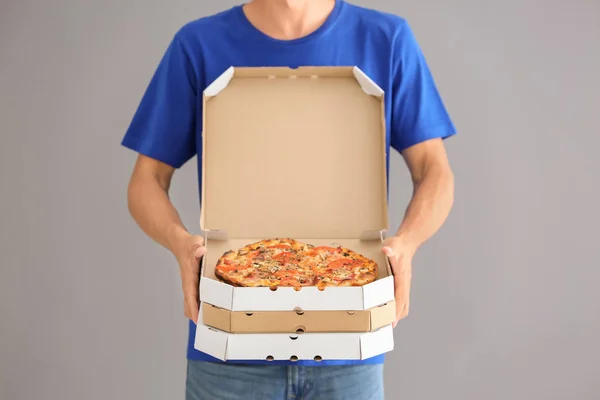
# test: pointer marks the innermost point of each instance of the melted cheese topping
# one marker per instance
(283, 266)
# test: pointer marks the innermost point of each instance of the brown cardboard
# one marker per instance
(294, 153)
(298, 321)
(294, 157)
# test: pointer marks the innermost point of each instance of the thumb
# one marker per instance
(197, 243)
(200, 251)
(387, 250)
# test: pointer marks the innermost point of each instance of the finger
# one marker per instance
(401, 266)
(197, 243)
(188, 267)
(401, 296)
(200, 251)
(191, 308)
(387, 250)
(401, 313)
(391, 257)
(190, 280)
(190, 288)
(194, 314)
(197, 240)
(400, 287)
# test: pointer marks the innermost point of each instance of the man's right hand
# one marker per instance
(188, 250)
(150, 206)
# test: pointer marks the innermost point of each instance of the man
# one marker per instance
(166, 132)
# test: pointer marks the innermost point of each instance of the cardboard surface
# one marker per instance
(301, 157)
(298, 321)
(281, 346)
(294, 153)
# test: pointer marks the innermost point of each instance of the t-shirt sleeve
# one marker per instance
(164, 124)
(418, 113)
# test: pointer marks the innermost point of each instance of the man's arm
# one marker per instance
(149, 203)
(432, 199)
(151, 208)
(418, 125)
(433, 192)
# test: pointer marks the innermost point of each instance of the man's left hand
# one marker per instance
(400, 256)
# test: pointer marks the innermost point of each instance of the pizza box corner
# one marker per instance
(296, 153)
(282, 346)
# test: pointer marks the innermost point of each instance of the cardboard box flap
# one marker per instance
(294, 153)
(377, 342)
(219, 84)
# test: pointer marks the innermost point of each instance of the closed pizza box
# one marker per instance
(284, 346)
(298, 321)
(296, 153)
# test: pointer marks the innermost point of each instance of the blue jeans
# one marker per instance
(210, 381)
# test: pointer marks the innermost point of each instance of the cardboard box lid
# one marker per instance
(294, 153)
(281, 346)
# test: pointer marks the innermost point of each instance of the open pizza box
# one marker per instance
(296, 153)
(298, 321)
(284, 346)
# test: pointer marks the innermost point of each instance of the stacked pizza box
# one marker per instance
(294, 153)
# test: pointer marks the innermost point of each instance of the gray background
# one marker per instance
(505, 301)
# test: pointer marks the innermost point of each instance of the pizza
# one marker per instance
(288, 262)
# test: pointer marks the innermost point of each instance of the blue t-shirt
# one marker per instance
(167, 126)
